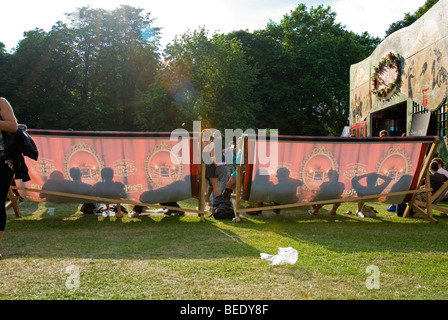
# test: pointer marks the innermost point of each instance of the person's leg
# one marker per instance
(223, 177)
(315, 209)
(212, 177)
(229, 188)
(208, 193)
(6, 175)
(174, 205)
(215, 186)
(360, 205)
(333, 210)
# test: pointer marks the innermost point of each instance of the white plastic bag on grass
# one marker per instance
(284, 256)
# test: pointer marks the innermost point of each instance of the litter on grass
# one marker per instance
(287, 255)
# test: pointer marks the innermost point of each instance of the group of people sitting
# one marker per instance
(285, 192)
(438, 176)
(263, 189)
(109, 189)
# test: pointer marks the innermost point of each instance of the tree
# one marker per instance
(210, 80)
(304, 64)
(103, 71)
(116, 59)
(410, 18)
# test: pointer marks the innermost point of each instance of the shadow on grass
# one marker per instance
(71, 234)
(349, 233)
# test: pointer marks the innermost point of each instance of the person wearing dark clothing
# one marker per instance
(8, 123)
(372, 187)
(436, 180)
(329, 190)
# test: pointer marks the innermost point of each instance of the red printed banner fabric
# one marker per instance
(139, 167)
(312, 170)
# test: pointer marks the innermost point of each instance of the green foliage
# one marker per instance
(104, 71)
(304, 64)
(211, 80)
(410, 18)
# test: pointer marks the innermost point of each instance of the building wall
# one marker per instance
(423, 50)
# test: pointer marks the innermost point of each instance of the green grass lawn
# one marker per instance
(75, 256)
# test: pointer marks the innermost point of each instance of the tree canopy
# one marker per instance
(410, 18)
(105, 71)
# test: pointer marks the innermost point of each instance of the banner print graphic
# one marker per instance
(114, 167)
(307, 171)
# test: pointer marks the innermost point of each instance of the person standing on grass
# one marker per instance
(208, 153)
(8, 124)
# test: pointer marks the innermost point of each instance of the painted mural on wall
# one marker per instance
(425, 68)
(361, 100)
(422, 48)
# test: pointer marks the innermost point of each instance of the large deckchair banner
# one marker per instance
(307, 169)
(114, 165)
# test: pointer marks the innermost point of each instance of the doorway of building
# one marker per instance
(392, 119)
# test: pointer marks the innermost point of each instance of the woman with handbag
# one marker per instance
(8, 123)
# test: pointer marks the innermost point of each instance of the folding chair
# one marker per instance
(438, 196)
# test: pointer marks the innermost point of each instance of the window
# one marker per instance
(442, 120)
(441, 115)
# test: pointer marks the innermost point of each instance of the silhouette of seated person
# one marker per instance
(372, 186)
(329, 190)
(56, 182)
(76, 186)
(167, 196)
(285, 191)
(261, 187)
(260, 190)
(403, 184)
(108, 188)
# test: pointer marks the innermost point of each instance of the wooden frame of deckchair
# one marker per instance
(424, 172)
(419, 206)
(424, 176)
(200, 211)
(13, 202)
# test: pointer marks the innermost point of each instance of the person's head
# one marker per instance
(439, 162)
(383, 133)
(56, 176)
(75, 173)
(434, 166)
(107, 174)
(282, 173)
(333, 175)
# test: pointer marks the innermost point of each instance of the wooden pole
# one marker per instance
(341, 200)
(108, 200)
(422, 175)
(13, 202)
(202, 185)
(239, 179)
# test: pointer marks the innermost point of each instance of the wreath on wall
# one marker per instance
(390, 62)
